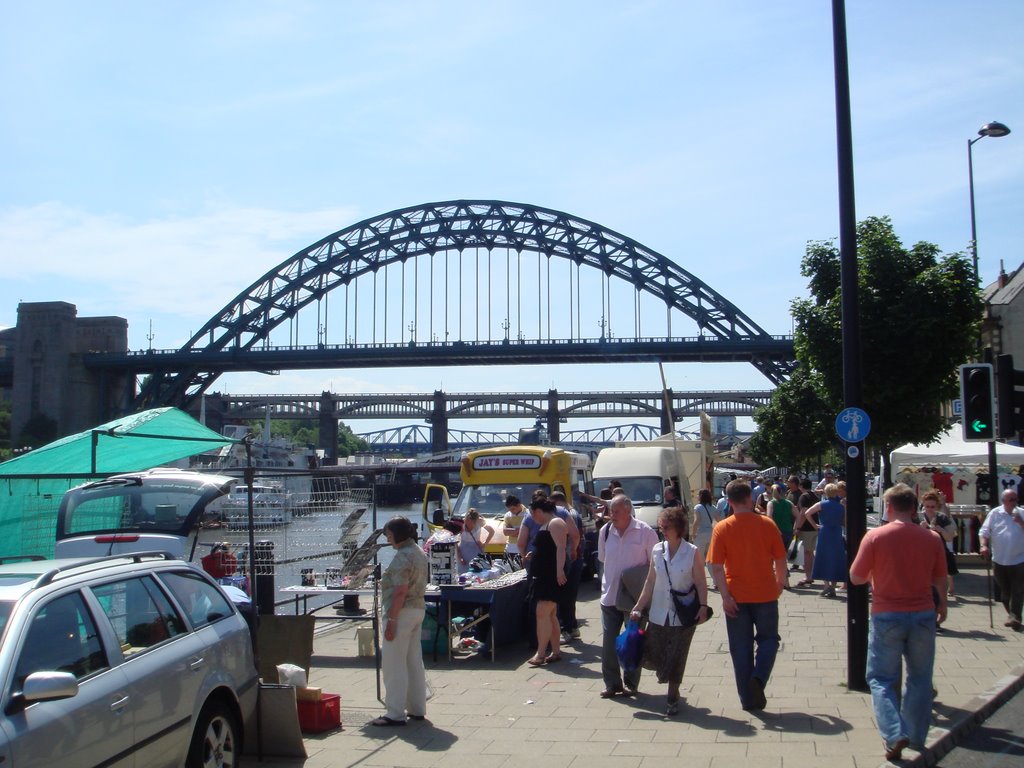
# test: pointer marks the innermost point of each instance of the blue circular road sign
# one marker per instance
(853, 425)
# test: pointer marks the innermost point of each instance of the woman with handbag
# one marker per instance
(677, 592)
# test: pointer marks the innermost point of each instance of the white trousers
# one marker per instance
(401, 661)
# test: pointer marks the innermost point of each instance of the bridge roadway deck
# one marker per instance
(390, 355)
(489, 405)
(508, 715)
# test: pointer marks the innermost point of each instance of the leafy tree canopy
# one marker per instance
(919, 316)
(5, 429)
(793, 429)
(306, 432)
(39, 430)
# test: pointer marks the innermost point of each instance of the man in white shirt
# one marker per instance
(830, 477)
(1002, 537)
(622, 544)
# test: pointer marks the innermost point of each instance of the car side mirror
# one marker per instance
(46, 686)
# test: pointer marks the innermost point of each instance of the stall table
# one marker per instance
(502, 599)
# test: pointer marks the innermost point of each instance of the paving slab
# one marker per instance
(506, 713)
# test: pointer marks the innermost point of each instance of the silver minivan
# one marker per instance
(131, 660)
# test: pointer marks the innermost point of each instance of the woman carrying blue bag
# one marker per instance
(676, 577)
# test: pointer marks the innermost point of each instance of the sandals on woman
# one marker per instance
(533, 662)
(551, 658)
(805, 583)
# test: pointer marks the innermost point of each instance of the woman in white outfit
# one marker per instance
(677, 564)
(705, 515)
(401, 656)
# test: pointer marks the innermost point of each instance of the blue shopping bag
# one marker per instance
(629, 646)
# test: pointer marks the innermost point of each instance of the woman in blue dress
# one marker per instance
(829, 517)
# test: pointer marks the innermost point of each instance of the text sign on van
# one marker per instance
(508, 461)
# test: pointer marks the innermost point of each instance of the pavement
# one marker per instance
(506, 714)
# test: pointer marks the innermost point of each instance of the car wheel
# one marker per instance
(215, 741)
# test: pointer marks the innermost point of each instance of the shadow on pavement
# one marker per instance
(802, 722)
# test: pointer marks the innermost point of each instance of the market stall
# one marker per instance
(960, 470)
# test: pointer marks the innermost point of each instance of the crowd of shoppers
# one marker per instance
(648, 575)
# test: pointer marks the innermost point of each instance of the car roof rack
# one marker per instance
(108, 561)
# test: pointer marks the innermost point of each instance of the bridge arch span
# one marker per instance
(365, 248)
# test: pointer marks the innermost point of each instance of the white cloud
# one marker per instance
(185, 266)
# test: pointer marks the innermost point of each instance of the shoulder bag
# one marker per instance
(686, 604)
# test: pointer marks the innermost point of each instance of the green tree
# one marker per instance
(795, 427)
(349, 443)
(307, 432)
(5, 430)
(919, 318)
(39, 430)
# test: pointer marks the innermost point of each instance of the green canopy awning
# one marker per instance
(140, 441)
(32, 485)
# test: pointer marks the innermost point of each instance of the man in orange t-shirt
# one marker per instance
(906, 565)
(748, 565)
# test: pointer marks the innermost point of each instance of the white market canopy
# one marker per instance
(951, 450)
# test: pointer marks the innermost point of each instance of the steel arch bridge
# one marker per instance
(607, 259)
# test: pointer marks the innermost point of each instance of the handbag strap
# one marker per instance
(668, 573)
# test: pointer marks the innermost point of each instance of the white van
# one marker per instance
(644, 472)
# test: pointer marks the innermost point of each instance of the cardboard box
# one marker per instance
(319, 716)
(308, 694)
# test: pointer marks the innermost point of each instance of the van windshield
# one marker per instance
(643, 490)
(489, 500)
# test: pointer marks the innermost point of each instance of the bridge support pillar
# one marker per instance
(553, 416)
(439, 423)
(213, 410)
(53, 394)
(668, 418)
(328, 437)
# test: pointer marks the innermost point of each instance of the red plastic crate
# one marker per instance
(319, 716)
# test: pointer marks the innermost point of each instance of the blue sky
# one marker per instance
(159, 157)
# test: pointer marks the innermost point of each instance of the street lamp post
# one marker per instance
(995, 130)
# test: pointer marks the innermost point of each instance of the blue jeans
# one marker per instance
(612, 620)
(893, 637)
(754, 624)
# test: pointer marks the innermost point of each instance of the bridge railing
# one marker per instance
(699, 340)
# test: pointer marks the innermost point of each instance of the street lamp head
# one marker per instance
(993, 129)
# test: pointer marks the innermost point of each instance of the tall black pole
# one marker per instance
(856, 518)
(974, 226)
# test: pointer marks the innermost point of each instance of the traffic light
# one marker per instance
(1009, 397)
(976, 395)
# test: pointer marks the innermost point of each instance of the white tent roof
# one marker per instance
(950, 450)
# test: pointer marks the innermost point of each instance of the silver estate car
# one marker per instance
(130, 660)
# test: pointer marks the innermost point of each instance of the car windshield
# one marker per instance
(156, 507)
(6, 606)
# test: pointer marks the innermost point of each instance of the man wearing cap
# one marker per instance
(1002, 537)
(830, 477)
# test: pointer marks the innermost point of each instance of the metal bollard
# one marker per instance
(263, 565)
